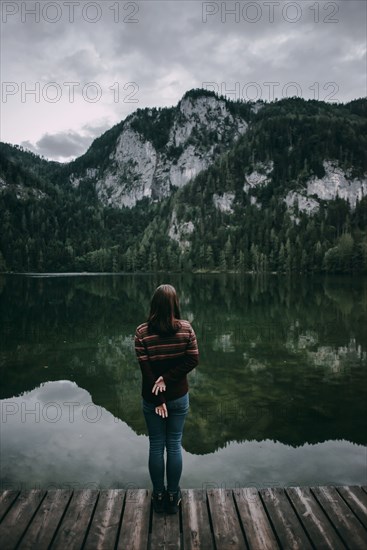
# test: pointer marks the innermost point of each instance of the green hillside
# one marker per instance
(46, 224)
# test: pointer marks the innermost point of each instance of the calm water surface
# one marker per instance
(279, 397)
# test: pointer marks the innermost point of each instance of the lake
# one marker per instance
(279, 397)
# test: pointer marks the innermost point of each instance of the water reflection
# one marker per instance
(283, 367)
(56, 437)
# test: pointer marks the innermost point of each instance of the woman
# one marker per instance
(166, 349)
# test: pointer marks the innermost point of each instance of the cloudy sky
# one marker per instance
(71, 70)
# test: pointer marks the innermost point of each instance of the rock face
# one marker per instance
(179, 231)
(224, 202)
(21, 191)
(137, 168)
(334, 183)
(260, 176)
(131, 176)
(305, 204)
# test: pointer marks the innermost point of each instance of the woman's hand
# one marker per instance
(162, 410)
(159, 385)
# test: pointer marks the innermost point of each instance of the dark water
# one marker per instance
(279, 396)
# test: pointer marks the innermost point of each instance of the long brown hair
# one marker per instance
(164, 311)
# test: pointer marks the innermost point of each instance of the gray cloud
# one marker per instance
(65, 146)
(62, 146)
(170, 50)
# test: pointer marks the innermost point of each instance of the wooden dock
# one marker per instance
(218, 519)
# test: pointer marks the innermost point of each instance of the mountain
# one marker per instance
(155, 150)
(207, 184)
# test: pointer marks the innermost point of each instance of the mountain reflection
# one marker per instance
(56, 437)
(281, 359)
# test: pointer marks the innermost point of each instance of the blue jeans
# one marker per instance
(166, 432)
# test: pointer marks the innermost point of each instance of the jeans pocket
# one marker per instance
(180, 403)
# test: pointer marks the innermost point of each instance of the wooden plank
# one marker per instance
(226, 523)
(288, 528)
(17, 519)
(255, 522)
(195, 520)
(165, 532)
(357, 500)
(44, 524)
(343, 519)
(7, 498)
(75, 523)
(135, 520)
(103, 531)
(316, 523)
(331, 517)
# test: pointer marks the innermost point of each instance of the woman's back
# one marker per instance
(169, 355)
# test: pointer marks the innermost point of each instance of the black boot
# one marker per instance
(159, 499)
(173, 501)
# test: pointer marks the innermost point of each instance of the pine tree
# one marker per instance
(282, 259)
(209, 260)
(288, 252)
(228, 253)
(3, 266)
(222, 261)
(241, 261)
(318, 256)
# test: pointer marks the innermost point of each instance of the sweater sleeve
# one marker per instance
(146, 369)
(190, 361)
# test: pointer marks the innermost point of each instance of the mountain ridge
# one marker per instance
(193, 186)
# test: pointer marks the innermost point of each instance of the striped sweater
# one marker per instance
(169, 356)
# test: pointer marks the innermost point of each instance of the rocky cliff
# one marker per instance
(158, 150)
